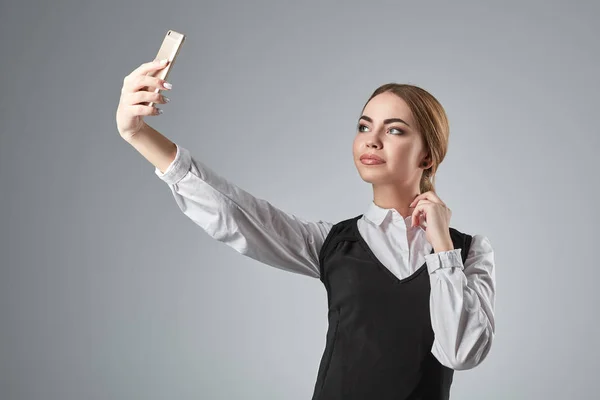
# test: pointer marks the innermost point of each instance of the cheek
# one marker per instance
(355, 147)
(401, 161)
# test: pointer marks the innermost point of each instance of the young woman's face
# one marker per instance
(387, 129)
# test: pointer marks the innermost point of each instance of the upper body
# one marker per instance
(462, 294)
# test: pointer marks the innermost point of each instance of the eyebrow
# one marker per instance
(385, 121)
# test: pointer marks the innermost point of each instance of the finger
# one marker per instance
(418, 200)
(416, 220)
(419, 213)
(419, 197)
(146, 97)
(143, 70)
(151, 66)
(431, 196)
(148, 81)
(144, 83)
(140, 109)
(415, 216)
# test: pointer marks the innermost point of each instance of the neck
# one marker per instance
(395, 197)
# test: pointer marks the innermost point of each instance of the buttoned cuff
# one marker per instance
(178, 168)
(444, 259)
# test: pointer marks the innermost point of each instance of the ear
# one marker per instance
(426, 163)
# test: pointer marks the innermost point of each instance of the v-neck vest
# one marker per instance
(379, 336)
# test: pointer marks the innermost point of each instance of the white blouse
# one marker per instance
(462, 296)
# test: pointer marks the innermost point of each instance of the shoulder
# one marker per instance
(472, 244)
(345, 225)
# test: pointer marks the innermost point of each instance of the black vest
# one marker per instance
(379, 337)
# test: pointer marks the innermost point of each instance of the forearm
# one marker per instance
(155, 147)
(462, 297)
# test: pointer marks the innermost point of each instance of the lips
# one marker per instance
(371, 157)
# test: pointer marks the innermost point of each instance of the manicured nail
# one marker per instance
(168, 85)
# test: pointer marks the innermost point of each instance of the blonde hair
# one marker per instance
(431, 121)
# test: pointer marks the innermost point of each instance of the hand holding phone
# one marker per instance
(169, 51)
(140, 91)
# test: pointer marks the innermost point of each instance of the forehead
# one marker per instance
(388, 105)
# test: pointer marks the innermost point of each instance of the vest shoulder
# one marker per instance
(460, 237)
(457, 233)
(461, 240)
(345, 224)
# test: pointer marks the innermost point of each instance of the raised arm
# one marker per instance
(252, 226)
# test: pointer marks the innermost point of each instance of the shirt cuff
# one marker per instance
(178, 168)
(444, 259)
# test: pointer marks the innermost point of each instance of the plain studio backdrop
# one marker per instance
(107, 291)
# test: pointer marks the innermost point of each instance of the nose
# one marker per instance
(374, 140)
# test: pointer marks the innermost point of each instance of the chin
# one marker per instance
(372, 176)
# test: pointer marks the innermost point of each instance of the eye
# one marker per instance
(401, 132)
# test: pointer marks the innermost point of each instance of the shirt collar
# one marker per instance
(377, 215)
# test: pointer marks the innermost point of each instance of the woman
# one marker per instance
(410, 298)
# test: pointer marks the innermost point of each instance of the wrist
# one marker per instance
(444, 245)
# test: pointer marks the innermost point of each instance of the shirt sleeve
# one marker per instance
(251, 226)
(462, 304)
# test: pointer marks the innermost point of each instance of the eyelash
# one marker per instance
(391, 127)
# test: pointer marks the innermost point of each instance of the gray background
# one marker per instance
(107, 291)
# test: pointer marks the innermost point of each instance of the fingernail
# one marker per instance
(168, 85)
(167, 99)
(164, 60)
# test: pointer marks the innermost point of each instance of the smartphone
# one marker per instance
(169, 49)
